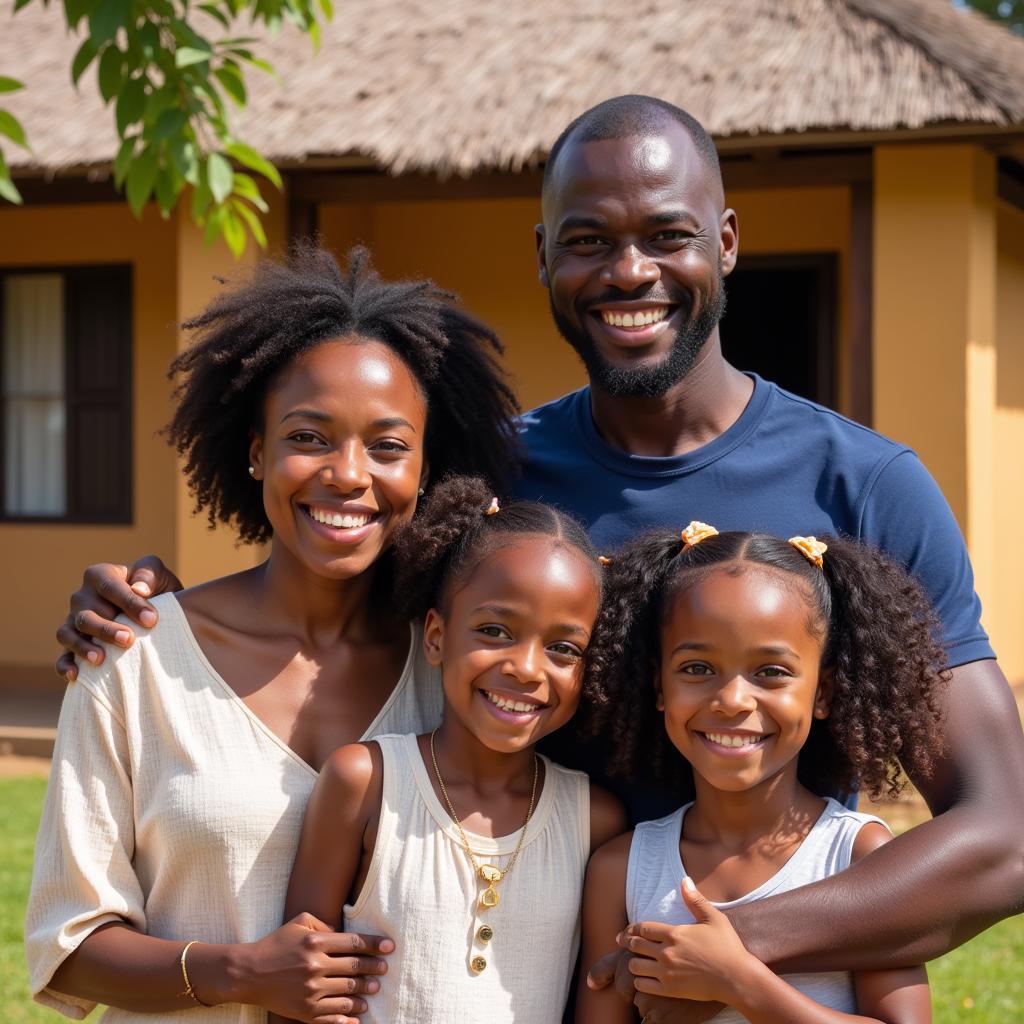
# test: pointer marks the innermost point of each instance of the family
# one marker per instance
(527, 717)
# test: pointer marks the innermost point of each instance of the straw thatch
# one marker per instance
(456, 86)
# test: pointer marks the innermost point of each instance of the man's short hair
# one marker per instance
(624, 116)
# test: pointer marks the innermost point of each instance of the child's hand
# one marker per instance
(691, 961)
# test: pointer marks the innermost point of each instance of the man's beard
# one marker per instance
(654, 380)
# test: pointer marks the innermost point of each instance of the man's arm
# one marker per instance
(107, 590)
(935, 886)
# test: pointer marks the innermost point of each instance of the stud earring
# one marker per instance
(421, 492)
(252, 471)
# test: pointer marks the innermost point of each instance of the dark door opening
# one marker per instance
(780, 322)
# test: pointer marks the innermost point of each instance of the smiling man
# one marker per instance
(634, 248)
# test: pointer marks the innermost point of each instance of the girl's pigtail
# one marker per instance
(451, 511)
(622, 660)
(886, 665)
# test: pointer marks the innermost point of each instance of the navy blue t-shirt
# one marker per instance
(786, 466)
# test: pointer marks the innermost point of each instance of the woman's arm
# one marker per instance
(339, 832)
(604, 916)
(86, 921)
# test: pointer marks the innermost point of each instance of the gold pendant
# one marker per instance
(490, 874)
(489, 897)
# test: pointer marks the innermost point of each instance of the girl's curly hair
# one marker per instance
(248, 334)
(452, 534)
(880, 639)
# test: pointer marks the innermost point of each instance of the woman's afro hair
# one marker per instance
(250, 332)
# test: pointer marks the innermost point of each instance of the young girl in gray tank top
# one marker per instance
(783, 670)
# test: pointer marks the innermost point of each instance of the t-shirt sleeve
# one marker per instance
(907, 516)
(83, 875)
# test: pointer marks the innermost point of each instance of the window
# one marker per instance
(65, 391)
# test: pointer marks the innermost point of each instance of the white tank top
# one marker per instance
(422, 891)
(655, 873)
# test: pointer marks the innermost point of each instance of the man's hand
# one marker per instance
(108, 590)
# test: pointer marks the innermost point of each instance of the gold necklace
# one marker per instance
(489, 873)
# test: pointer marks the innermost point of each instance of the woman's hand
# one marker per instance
(303, 971)
(107, 590)
(698, 961)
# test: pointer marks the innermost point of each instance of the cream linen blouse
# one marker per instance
(173, 807)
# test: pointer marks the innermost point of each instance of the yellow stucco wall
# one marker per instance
(46, 561)
(173, 276)
(1006, 619)
(949, 297)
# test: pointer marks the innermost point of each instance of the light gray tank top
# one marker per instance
(655, 873)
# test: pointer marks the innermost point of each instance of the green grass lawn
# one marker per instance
(981, 982)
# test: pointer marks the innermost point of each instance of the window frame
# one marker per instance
(123, 515)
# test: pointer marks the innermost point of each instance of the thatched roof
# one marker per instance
(462, 85)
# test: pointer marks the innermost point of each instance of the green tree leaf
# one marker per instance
(123, 160)
(7, 187)
(248, 157)
(11, 127)
(107, 17)
(111, 72)
(220, 177)
(233, 231)
(83, 58)
(10, 84)
(230, 76)
(247, 189)
(131, 104)
(166, 192)
(250, 218)
(186, 56)
(140, 180)
(169, 123)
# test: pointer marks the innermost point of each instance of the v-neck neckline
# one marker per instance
(233, 695)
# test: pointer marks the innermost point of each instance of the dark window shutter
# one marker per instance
(98, 389)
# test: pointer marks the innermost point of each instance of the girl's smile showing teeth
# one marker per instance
(516, 708)
(733, 742)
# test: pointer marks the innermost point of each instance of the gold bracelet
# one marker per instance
(189, 990)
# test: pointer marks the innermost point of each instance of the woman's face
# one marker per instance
(340, 457)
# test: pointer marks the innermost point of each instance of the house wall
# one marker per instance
(43, 563)
(1007, 615)
(949, 296)
(173, 276)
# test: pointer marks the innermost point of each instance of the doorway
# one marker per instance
(780, 322)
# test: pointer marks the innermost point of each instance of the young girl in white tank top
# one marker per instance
(463, 845)
(782, 671)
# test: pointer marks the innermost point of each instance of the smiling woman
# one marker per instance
(313, 410)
